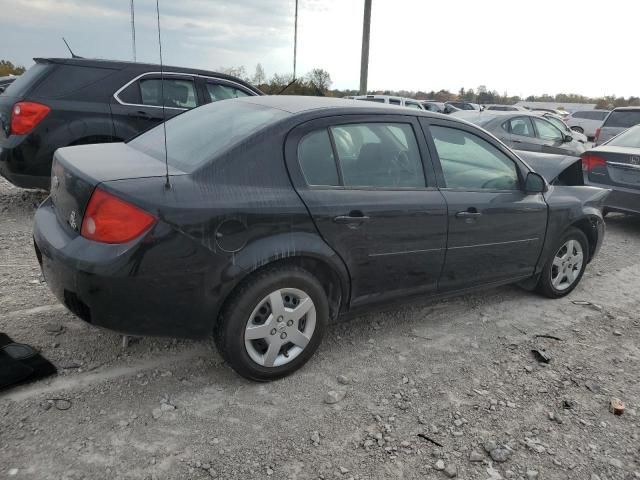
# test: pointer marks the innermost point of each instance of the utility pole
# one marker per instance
(133, 30)
(364, 60)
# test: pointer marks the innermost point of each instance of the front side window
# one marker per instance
(471, 163)
(219, 92)
(178, 93)
(382, 155)
(520, 126)
(547, 131)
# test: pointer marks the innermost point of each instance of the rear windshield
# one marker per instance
(628, 138)
(21, 84)
(623, 119)
(199, 135)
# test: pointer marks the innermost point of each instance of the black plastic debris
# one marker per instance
(540, 355)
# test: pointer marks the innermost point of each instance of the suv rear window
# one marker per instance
(622, 118)
(21, 84)
(199, 135)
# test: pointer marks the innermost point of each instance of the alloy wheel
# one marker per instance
(567, 265)
(280, 327)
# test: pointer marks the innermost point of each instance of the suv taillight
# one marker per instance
(25, 116)
(109, 219)
(590, 161)
(595, 137)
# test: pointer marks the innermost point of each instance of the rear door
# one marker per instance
(370, 187)
(496, 230)
(522, 136)
(137, 106)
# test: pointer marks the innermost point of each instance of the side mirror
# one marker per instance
(568, 138)
(535, 183)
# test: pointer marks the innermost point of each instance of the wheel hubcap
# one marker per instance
(280, 327)
(567, 265)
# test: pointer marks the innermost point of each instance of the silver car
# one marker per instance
(617, 122)
(587, 121)
(527, 131)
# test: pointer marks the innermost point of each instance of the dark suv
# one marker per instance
(63, 102)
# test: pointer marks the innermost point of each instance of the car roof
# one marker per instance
(295, 104)
(358, 97)
(629, 109)
(138, 66)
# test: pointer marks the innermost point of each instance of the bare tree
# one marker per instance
(320, 79)
(259, 77)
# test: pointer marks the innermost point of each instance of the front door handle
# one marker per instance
(141, 114)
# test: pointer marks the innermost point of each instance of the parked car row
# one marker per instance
(6, 81)
(62, 102)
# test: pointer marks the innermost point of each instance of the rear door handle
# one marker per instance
(355, 217)
(468, 214)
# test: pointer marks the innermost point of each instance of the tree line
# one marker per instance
(318, 82)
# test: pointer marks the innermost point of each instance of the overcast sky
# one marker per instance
(523, 48)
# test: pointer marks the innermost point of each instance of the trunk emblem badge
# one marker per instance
(635, 160)
(73, 221)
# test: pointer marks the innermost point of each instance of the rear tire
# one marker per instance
(273, 323)
(564, 269)
(578, 129)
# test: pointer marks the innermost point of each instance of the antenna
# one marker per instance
(167, 185)
(73, 55)
(133, 30)
(295, 42)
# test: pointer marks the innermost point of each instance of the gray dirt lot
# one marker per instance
(459, 372)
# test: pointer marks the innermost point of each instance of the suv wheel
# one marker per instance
(565, 268)
(273, 323)
(577, 129)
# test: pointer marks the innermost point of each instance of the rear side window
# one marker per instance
(66, 79)
(377, 100)
(198, 136)
(623, 119)
(519, 126)
(394, 101)
(21, 84)
(316, 159)
(413, 105)
(378, 155)
(178, 93)
(598, 115)
(471, 163)
(218, 92)
(580, 115)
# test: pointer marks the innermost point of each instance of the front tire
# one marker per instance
(564, 270)
(273, 323)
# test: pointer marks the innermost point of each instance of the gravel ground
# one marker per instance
(443, 390)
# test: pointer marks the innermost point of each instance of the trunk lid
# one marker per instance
(76, 171)
(622, 166)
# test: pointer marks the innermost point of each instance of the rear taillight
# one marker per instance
(109, 219)
(589, 162)
(595, 137)
(25, 116)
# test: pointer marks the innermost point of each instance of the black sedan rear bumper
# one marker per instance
(126, 288)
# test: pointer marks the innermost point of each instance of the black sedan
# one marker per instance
(616, 165)
(274, 215)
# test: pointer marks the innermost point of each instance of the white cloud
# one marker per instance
(523, 48)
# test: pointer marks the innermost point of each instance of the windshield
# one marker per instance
(628, 138)
(197, 136)
(622, 119)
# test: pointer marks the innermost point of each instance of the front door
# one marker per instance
(550, 137)
(496, 230)
(370, 188)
